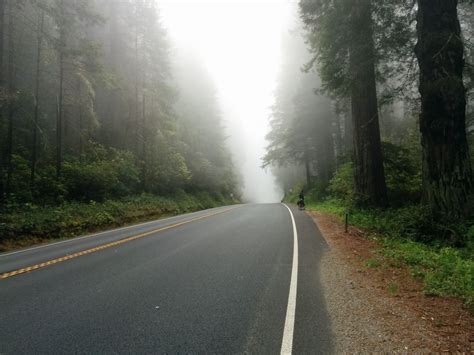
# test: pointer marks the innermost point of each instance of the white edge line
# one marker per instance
(287, 342)
(104, 232)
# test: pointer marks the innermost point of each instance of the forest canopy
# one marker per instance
(95, 105)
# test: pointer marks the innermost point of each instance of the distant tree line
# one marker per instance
(91, 106)
(382, 90)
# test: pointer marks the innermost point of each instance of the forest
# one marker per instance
(97, 110)
(375, 109)
(104, 123)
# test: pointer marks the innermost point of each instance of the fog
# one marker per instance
(240, 44)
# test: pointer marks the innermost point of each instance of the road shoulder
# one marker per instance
(313, 331)
(379, 308)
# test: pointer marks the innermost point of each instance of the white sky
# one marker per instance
(240, 42)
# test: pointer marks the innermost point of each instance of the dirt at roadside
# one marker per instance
(378, 307)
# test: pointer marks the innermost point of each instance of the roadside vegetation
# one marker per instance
(437, 250)
(91, 139)
(375, 125)
(28, 224)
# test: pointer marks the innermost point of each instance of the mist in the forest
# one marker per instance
(239, 42)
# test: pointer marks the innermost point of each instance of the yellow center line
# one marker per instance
(104, 246)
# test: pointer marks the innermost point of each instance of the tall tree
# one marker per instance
(76, 112)
(62, 25)
(367, 155)
(72, 20)
(2, 34)
(355, 43)
(447, 174)
(11, 93)
(2, 94)
(34, 148)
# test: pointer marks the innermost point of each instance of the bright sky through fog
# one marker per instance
(240, 42)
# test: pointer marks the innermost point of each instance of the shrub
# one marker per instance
(402, 175)
(20, 181)
(108, 173)
(341, 185)
(94, 181)
(48, 190)
(73, 218)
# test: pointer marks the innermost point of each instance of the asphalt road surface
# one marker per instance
(226, 280)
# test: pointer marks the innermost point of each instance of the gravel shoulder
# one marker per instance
(381, 308)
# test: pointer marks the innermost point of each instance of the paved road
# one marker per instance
(216, 281)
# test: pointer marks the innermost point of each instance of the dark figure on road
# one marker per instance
(301, 200)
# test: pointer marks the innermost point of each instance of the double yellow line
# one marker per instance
(105, 246)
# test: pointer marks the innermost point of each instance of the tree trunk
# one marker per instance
(137, 71)
(144, 145)
(307, 167)
(34, 149)
(11, 96)
(369, 176)
(328, 158)
(447, 174)
(2, 34)
(80, 114)
(2, 85)
(338, 143)
(348, 132)
(59, 121)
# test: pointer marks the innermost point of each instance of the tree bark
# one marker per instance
(34, 149)
(11, 96)
(369, 176)
(137, 74)
(348, 131)
(144, 144)
(80, 116)
(328, 159)
(447, 174)
(59, 121)
(2, 34)
(338, 143)
(2, 85)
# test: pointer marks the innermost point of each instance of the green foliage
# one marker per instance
(392, 288)
(446, 271)
(121, 125)
(410, 222)
(48, 190)
(19, 188)
(28, 221)
(373, 263)
(341, 185)
(94, 181)
(402, 175)
(330, 34)
(317, 191)
(292, 195)
(440, 252)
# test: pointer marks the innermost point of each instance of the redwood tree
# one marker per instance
(447, 174)
(342, 35)
(367, 155)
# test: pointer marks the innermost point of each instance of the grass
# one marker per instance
(392, 288)
(29, 224)
(445, 270)
(372, 263)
